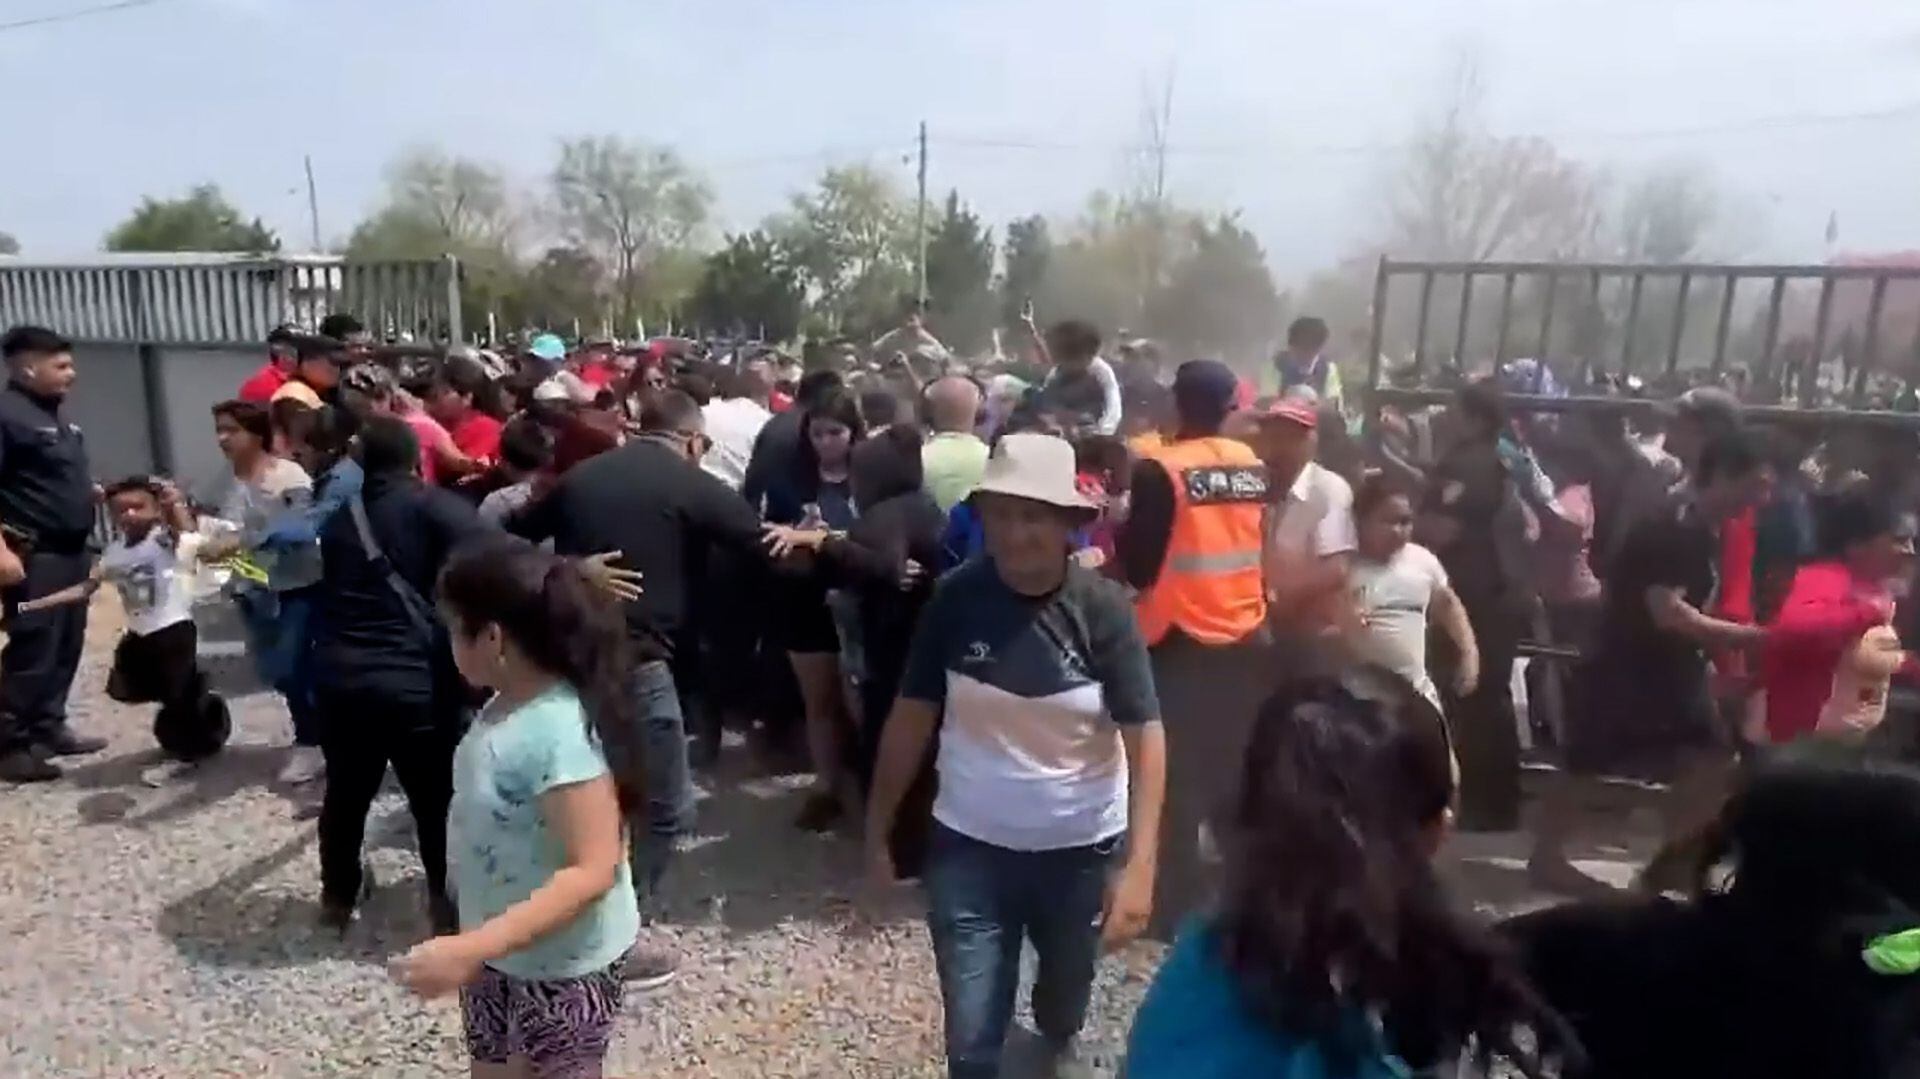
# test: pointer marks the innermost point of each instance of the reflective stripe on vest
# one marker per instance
(1210, 585)
(1213, 562)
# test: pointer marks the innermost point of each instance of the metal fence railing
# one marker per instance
(225, 300)
(1653, 320)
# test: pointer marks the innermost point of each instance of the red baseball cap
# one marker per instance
(1292, 410)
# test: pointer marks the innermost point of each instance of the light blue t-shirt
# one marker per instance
(501, 847)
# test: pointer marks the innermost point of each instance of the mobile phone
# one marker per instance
(1026, 309)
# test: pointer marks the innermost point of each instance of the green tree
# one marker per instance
(201, 220)
(750, 287)
(960, 278)
(1029, 249)
(1115, 257)
(434, 205)
(1219, 298)
(567, 283)
(9, 245)
(631, 204)
(852, 241)
(668, 289)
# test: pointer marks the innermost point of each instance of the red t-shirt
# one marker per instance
(1738, 538)
(597, 373)
(260, 386)
(478, 436)
(778, 402)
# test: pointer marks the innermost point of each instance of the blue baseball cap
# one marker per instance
(549, 347)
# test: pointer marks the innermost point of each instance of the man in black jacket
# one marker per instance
(651, 500)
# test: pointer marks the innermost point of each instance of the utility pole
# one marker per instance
(920, 221)
(313, 205)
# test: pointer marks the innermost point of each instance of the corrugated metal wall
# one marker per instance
(224, 300)
(160, 339)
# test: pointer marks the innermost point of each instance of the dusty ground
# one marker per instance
(170, 933)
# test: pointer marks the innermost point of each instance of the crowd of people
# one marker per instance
(1090, 650)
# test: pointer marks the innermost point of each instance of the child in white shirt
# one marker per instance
(150, 562)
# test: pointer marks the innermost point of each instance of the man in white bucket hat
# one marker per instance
(1051, 759)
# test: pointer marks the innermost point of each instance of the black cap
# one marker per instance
(1204, 390)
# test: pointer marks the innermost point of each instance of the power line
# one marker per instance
(825, 153)
(1764, 123)
(69, 16)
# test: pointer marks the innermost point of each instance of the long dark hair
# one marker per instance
(840, 406)
(566, 627)
(1332, 909)
(1824, 836)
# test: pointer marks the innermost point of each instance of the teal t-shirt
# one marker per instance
(1194, 1025)
(501, 847)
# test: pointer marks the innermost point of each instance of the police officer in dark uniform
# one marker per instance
(46, 523)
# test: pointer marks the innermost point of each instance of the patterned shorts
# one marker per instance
(559, 1026)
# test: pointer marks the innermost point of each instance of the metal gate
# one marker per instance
(1609, 301)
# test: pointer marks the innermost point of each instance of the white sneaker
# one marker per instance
(304, 765)
(167, 772)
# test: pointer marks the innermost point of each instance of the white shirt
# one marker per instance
(732, 424)
(1111, 402)
(154, 578)
(1315, 519)
(1394, 598)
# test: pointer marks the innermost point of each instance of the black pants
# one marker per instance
(42, 652)
(1485, 732)
(365, 733)
(163, 668)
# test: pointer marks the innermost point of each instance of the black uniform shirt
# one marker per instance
(45, 489)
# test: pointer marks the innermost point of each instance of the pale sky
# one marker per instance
(1281, 107)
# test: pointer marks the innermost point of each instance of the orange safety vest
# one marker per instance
(1210, 584)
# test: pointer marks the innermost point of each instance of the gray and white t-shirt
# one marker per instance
(154, 578)
(1033, 691)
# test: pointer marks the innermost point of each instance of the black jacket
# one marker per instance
(647, 501)
(898, 521)
(45, 490)
(364, 640)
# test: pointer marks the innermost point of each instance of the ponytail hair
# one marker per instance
(560, 622)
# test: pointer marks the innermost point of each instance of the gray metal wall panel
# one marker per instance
(109, 402)
(196, 380)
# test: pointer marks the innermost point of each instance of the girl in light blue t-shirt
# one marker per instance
(542, 783)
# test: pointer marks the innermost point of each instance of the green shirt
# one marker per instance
(502, 848)
(953, 463)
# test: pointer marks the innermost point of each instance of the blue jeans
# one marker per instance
(982, 902)
(280, 639)
(670, 793)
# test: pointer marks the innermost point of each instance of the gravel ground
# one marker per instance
(170, 932)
